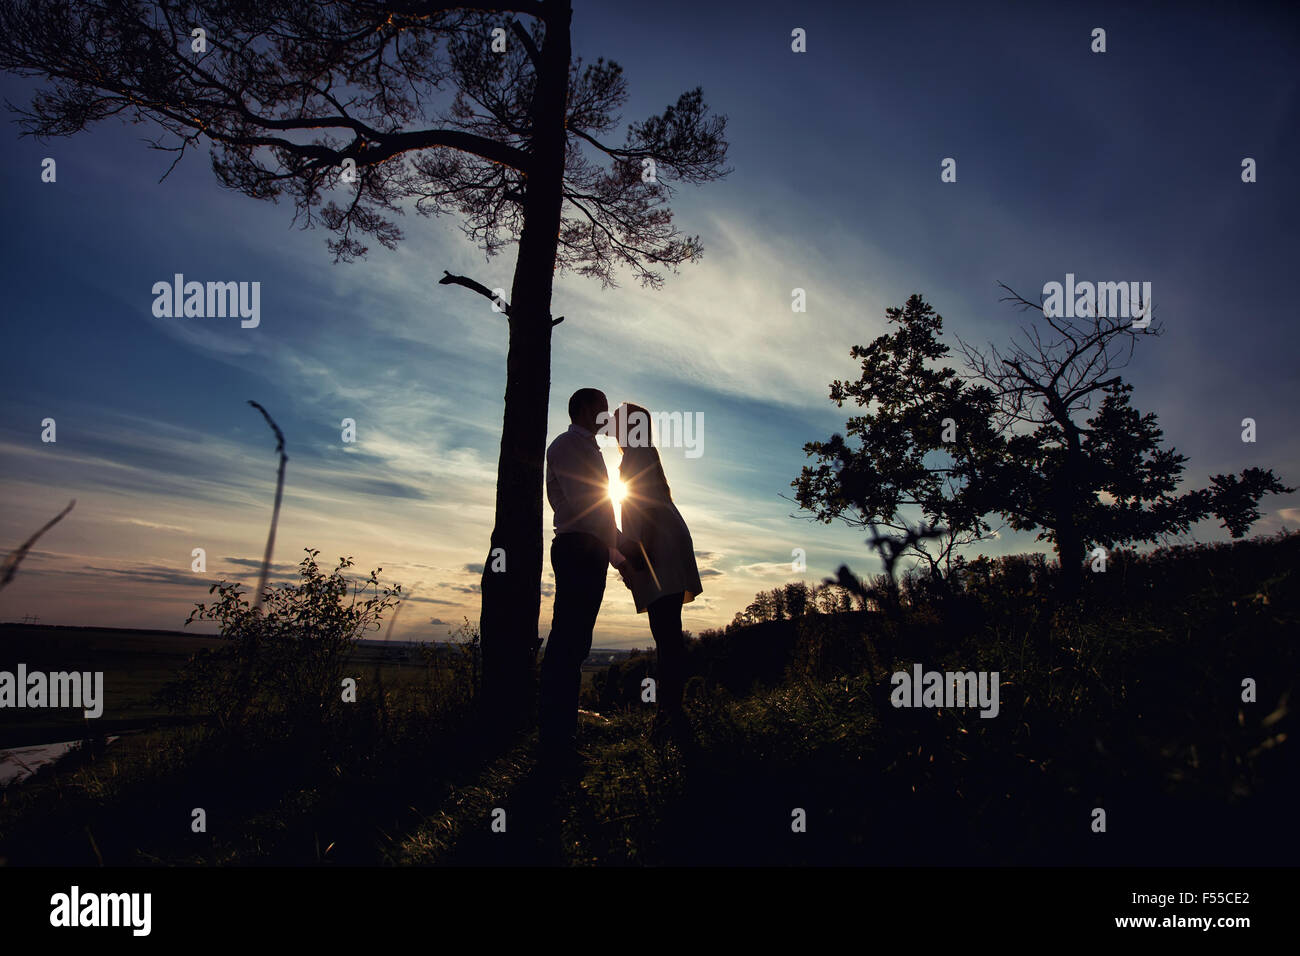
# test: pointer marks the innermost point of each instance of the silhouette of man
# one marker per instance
(585, 544)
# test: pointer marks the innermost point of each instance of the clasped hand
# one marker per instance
(621, 565)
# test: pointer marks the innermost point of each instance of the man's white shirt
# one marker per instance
(577, 486)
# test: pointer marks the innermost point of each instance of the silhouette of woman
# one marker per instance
(660, 570)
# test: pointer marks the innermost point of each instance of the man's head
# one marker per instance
(585, 407)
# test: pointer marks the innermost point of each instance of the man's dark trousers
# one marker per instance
(580, 562)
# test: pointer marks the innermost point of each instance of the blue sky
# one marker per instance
(1116, 166)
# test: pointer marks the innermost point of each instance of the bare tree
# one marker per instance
(355, 110)
(1048, 382)
(1074, 458)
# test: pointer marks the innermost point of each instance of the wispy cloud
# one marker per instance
(156, 525)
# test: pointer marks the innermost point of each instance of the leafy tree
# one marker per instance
(798, 599)
(913, 447)
(1029, 444)
(357, 109)
(833, 599)
(777, 598)
(1124, 484)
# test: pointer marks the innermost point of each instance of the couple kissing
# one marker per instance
(653, 554)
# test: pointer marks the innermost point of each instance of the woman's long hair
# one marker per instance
(633, 421)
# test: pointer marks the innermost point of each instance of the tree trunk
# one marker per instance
(1069, 551)
(1069, 540)
(512, 596)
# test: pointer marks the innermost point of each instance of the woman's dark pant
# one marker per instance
(666, 626)
(581, 562)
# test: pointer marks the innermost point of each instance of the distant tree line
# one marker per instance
(791, 602)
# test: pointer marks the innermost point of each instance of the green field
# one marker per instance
(136, 665)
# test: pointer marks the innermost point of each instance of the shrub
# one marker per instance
(284, 660)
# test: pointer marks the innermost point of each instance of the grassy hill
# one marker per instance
(1129, 700)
